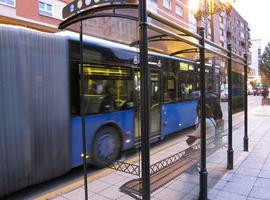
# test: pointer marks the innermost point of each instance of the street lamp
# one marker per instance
(205, 8)
(202, 9)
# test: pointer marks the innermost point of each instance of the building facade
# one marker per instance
(222, 28)
(229, 28)
(256, 56)
(175, 10)
(44, 15)
(238, 33)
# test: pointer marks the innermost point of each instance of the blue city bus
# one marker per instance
(40, 121)
(112, 100)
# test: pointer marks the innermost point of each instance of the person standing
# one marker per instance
(265, 92)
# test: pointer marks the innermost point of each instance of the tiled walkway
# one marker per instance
(250, 178)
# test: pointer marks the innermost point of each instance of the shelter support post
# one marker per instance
(145, 100)
(203, 170)
(84, 155)
(230, 148)
(246, 104)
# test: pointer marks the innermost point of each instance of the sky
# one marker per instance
(257, 14)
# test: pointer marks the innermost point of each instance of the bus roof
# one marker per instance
(109, 44)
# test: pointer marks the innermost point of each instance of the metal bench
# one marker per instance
(167, 169)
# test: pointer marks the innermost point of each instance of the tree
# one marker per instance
(253, 83)
(265, 64)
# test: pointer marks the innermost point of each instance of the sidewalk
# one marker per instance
(249, 180)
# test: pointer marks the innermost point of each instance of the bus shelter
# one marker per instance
(138, 26)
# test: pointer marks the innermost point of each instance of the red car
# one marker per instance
(258, 91)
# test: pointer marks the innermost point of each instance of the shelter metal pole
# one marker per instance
(246, 105)
(203, 170)
(82, 113)
(230, 148)
(145, 106)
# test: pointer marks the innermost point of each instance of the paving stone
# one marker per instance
(185, 177)
(153, 194)
(97, 186)
(262, 183)
(112, 192)
(123, 181)
(258, 155)
(181, 186)
(260, 193)
(77, 194)
(212, 182)
(195, 190)
(248, 171)
(211, 166)
(112, 178)
(242, 179)
(264, 174)
(266, 166)
(170, 194)
(152, 198)
(119, 173)
(220, 185)
(99, 197)
(213, 194)
(251, 164)
(190, 197)
(222, 195)
(238, 188)
(227, 176)
(60, 198)
(216, 174)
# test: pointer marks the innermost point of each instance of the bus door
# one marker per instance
(155, 103)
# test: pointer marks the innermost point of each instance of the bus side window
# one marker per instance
(74, 90)
(107, 90)
(188, 83)
(169, 84)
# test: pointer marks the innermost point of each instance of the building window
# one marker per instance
(167, 4)
(259, 52)
(220, 19)
(45, 9)
(242, 25)
(179, 11)
(242, 35)
(222, 44)
(8, 2)
(221, 32)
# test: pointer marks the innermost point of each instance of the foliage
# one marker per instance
(265, 63)
(253, 83)
(265, 80)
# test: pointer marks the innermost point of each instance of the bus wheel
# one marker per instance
(106, 147)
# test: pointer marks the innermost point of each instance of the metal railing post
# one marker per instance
(145, 98)
(83, 113)
(230, 138)
(203, 170)
(246, 105)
